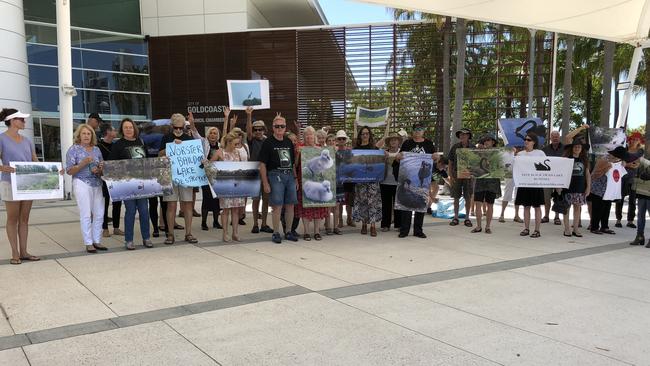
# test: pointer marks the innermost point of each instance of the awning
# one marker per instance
(625, 21)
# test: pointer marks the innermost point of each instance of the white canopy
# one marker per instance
(613, 20)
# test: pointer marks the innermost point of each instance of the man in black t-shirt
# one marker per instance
(278, 173)
(255, 133)
(184, 194)
(105, 144)
(419, 145)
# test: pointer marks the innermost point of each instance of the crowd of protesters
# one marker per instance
(595, 183)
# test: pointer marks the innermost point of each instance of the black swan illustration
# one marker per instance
(408, 198)
(539, 130)
(543, 165)
(424, 172)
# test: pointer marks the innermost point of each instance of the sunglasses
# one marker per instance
(528, 140)
(279, 126)
(258, 129)
(178, 128)
(418, 129)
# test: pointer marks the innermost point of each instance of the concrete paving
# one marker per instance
(455, 298)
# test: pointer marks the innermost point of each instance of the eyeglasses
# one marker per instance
(528, 139)
(258, 129)
(279, 126)
(365, 134)
(179, 128)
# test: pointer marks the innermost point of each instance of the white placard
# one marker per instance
(372, 117)
(542, 172)
(248, 93)
(36, 181)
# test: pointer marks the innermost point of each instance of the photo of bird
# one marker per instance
(318, 191)
(425, 172)
(318, 165)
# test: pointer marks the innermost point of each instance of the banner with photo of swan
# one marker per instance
(318, 176)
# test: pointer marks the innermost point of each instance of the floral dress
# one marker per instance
(367, 200)
(236, 201)
(311, 213)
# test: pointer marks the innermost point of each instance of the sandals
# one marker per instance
(306, 237)
(518, 219)
(337, 231)
(524, 232)
(567, 235)
(578, 235)
(467, 222)
(488, 230)
(502, 219)
(178, 227)
(32, 258)
(190, 239)
(170, 240)
(607, 231)
(317, 237)
(478, 229)
(545, 219)
(535, 234)
(557, 222)
(15, 261)
(91, 249)
(453, 222)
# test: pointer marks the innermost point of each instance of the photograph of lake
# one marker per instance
(230, 179)
(360, 166)
(35, 180)
(138, 178)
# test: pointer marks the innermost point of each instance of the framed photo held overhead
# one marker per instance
(372, 117)
(36, 181)
(248, 93)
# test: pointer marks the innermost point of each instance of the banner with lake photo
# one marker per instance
(36, 181)
(186, 159)
(605, 139)
(641, 183)
(318, 176)
(514, 130)
(372, 117)
(413, 182)
(542, 172)
(234, 179)
(138, 178)
(360, 166)
(248, 93)
(484, 163)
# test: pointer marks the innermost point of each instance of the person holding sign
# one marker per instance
(131, 146)
(527, 196)
(15, 147)
(367, 198)
(255, 132)
(459, 186)
(486, 190)
(232, 206)
(182, 194)
(579, 187)
(278, 172)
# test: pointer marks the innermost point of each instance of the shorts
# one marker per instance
(5, 192)
(283, 188)
(462, 187)
(547, 194)
(509, 190)
(485, 196)
(183, 194)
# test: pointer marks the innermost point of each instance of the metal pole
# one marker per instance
(553, 76)
(66, 90)
(631, 77)
(531, 72)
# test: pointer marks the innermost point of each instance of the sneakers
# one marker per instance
(117, 231)
(290, 236)
(255, 229)
(106, 233)
(266, 229)
(631, 225)
(276, 238)
(420, 235)
(129, 245)
(147, 243)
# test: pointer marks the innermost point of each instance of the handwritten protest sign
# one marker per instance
(186, 159)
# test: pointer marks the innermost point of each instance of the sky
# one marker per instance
(344, 12)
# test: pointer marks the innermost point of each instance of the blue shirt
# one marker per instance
(76, 153)
(11, 150)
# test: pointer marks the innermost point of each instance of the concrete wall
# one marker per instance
(14, 74)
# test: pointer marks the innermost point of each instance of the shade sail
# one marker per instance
(612, 20)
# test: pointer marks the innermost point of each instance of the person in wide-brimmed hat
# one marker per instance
(388, 186)
(486, 190)
(635, 143)
(459, 187)
(575, 196)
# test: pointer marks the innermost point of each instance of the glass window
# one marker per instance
(40, 34)
(116, 81)
(130, 104)
(46, 55)
(115, 62)
(97, 101)
(45, 99)
(43, 75)
(98, 41)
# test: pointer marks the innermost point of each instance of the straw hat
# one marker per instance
(342, 134)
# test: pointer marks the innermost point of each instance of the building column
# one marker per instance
(14, 74)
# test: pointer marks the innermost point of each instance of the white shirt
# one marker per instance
(614, 177)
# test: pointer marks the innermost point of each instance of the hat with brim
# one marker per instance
(486, 137)
(571, 145)
(621, 153)
(394, 136)
(259, 123)
(340, 134)
(402, 133)
(418, 126)
(18, 114)
(464, 131)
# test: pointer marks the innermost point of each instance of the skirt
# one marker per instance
(367, 203)
(529, 197)
(232, 202)
(575, 198)
(310, 213)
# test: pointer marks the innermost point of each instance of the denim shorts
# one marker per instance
(283, 188)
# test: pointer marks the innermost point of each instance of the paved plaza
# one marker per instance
(454, 298)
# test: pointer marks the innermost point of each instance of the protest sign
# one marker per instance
(248, 93)
(413, 182)
(318, 177)
(234, 179)
(186, 160)
(137, 178)
(36, 181)
(542, 172)
(605, 139)
(484, 163)
(360, 166)
(372, 117)
(514, 130)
